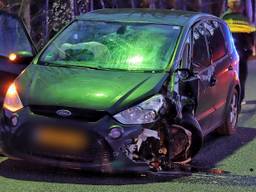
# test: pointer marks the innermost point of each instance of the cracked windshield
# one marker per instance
(120, 46)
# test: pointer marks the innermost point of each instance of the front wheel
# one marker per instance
(231, 115)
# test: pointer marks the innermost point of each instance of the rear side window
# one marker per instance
(200, 55)
(216, 40)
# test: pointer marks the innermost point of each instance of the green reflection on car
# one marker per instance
(113, 46)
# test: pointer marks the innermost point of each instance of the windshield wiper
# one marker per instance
(88, 67)
(138, 71)
(97, 68)
(69, 66)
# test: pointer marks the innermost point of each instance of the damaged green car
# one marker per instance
(124, 89)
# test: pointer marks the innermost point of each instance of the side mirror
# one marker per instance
(21, 57)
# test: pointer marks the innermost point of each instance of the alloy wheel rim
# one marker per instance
(233, 111)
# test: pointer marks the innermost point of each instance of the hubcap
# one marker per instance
(233, 111)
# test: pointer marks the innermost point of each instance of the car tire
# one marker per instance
(229, 126)
(190, 123)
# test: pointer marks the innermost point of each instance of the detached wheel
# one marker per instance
(231, 116)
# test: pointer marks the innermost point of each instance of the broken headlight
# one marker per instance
(145, 112)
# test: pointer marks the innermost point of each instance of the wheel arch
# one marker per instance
(234, 86)
(190, 123)
(238, 88)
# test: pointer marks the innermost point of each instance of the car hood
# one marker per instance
(100, 90)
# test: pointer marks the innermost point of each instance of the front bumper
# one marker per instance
(106, 154)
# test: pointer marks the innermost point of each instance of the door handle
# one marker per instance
(213, 81)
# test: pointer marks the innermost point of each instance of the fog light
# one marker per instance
(115, 133)
(14, 120)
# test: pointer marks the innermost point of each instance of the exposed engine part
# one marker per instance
(147, 133)
(148, 137)
(151, 147)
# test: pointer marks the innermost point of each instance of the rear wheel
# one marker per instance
(231, 115)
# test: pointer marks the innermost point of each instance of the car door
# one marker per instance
(201, 65)
(222, 68)
(13, 38)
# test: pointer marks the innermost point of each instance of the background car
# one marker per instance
(125, 89)
(14, 39)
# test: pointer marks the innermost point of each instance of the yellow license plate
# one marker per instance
(61, 139)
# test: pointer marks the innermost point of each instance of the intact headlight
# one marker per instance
(145, 112)
(12, 100)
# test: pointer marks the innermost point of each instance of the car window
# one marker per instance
(228, 37)
(114, 46)
(13, 37)
(200, 55)
(216, 40)
(186, 53)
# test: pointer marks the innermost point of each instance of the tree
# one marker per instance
(249, 9)
(194, 5)
(152, 4)
(24, 12)
(91, 5)
(102, 4)
(60, 13)
(135, 3)
(217, 7)
(2, 5)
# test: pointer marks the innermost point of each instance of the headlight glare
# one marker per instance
(12, 100)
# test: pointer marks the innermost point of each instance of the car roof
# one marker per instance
(157, 16)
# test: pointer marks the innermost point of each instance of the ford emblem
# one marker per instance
(64, 113)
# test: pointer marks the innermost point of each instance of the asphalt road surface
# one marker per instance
(224, 164)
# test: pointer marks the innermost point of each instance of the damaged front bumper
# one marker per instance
(109, 150)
